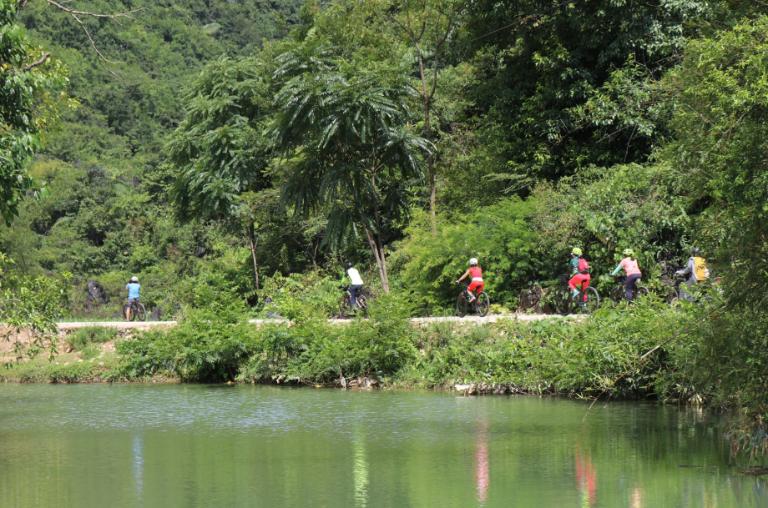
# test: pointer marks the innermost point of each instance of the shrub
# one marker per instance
(83, 337)
(499, 235)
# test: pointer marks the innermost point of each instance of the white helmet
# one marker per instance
(134, 279)
(472, 261)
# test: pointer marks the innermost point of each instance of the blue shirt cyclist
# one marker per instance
(134, 288)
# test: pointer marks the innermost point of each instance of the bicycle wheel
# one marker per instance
(483, 304)
(641, 292)
(461, 305)
(593, 300)
(138, 312)
(362, 304)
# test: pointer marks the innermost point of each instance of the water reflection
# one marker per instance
(586, 478)
(97, 446)
(137, 454)
(482, 466)
(360, 468)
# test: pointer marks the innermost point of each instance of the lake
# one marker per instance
(230, 446)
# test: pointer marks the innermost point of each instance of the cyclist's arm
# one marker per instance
(687, 270)
(466, 274)
(616, 270)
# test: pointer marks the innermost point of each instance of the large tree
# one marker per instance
(218, 151)
(344, 133)
(31, 89)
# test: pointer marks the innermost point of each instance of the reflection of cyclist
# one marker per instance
(632, 269)
(355, 284)
(580, 277)
(476, 284)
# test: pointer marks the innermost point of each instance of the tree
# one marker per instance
(344, 134)
(721, 138)
(540, 62)
(218, 151)
(31, 89)
(428, 26)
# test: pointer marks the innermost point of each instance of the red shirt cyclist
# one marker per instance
(476, 284)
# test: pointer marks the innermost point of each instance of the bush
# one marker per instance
(500, 236)
(83, 337)
(599, 356)
(302, 296)
(604, 211)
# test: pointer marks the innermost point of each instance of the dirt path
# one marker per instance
(145, 325)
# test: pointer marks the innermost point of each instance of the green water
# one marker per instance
(186, 446)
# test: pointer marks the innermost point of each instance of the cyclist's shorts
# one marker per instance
(476, 286)
(580, 280)
(131, 300)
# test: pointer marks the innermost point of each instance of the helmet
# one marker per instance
(349, 264)
(472, 261)
(134, 279)
(629, 252)
(695, 251)
(576, 251)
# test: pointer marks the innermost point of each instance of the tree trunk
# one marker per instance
(426, 100)
(378, 253)
(252, 244)
(432, 196)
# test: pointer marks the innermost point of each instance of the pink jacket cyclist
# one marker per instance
(632, 269)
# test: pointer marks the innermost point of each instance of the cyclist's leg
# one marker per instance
(353, 290)
(630, 286)
(573, 284)
(471, 290)
(585, 280)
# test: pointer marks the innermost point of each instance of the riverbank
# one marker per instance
(643, 351)
(613, 354)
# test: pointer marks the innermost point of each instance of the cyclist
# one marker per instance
(632, 270)
(134, 290)
(580, 278)
(476, 285)
(355, 284)
(696, 271)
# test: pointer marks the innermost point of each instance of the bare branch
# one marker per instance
(37, 62)
(90, 38)
(76, 13)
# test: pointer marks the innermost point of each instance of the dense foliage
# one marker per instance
(227, 153)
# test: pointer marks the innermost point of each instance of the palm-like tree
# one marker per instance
(347, 146)
(218, 152)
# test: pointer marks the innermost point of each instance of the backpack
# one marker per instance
(700, 269)
(583, 266)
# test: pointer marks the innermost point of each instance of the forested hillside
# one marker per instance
(228, 151)
(102, 211)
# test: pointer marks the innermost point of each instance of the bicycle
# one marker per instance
(134, 310)
(565, 303)
(345, 305)
(480, 305)
(618, 293)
